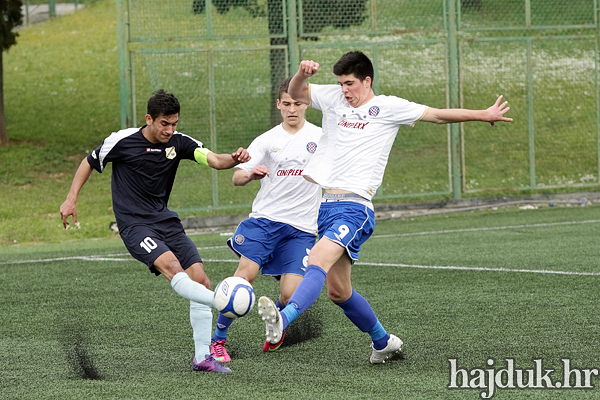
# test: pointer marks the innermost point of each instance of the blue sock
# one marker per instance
(305, 294)
(221, 329)
(359, 311)
(278, 305)
(379, 336)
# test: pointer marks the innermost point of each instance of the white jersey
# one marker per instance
(356, 142)
(285, 196)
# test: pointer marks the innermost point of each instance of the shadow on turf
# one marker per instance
(308, 326)
(78, 357)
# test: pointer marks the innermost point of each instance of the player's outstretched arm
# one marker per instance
(492, 114)
(298, 88)
(242, 177)
(69, 207)
(226, 161)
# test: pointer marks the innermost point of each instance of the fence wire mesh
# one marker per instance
(225, 58)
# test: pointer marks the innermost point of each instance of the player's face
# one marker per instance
(161, 129)
(356, 92)
(292, 111)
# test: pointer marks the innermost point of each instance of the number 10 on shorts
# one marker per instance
(148, 244)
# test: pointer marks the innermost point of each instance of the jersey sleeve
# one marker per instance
(257, 151)
(406, 112)
(187, 146)
(323, 97)
(109, 150)
(94, 159)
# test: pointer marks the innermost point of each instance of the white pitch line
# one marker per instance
(547, 224)
(494, 228)
(531, 271)
(107, 257)
(85, 258)
(483, 269)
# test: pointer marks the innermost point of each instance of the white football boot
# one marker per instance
(394, 345)
(272, 318)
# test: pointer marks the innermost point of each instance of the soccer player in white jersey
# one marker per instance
(282, 227)
(145, 161)
(359, 129)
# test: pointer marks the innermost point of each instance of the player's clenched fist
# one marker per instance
(241, 155)
(308, 67)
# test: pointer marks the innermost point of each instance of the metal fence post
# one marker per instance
(530, 115)
(124, 65)
(292, 31)
(52, 8)
(597, 86)
(454, 100)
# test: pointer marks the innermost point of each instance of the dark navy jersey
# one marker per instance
(142, 173)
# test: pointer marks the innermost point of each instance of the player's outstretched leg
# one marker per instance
(209, 364)
(359, 311)
(272, 318)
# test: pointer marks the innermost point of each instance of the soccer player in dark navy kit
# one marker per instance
(145, 162)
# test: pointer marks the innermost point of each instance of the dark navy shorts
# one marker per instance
(147, 242)
(276, 247)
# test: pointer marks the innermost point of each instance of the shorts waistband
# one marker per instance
(330, 197)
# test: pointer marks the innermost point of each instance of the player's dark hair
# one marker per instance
(162, 103)
(284, 87)
(356, 63)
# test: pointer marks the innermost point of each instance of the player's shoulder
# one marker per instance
(123, 133)
(310, 127)
(121, 136)
(182, 137)
(276, 130)
(390, 100)
(326, 90)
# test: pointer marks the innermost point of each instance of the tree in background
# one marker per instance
(10, 17)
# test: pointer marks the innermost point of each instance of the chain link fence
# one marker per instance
(42, 10)
(225, 58)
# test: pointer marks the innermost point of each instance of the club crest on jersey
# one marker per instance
(373, 111)
(170, 153)
(311, 147)
(239, 239)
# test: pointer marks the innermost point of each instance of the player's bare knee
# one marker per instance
(284, 298)
(336, 296)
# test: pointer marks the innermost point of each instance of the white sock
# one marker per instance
(201, 320)
(191, 290)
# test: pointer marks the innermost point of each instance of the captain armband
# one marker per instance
(201, 155)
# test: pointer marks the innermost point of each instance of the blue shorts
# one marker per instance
(347, 223)
(276, 247)
(147, 242)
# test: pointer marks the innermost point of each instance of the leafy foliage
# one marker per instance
(10, 17)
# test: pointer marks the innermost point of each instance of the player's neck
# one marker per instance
(293, 129)
(367, 99)
(146, 134)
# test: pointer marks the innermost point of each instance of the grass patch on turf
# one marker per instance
(103, 327)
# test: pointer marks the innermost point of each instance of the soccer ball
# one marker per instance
(234, 297)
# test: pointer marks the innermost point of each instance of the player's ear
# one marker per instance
(368, 82)
(149, 119)
(278, 105)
